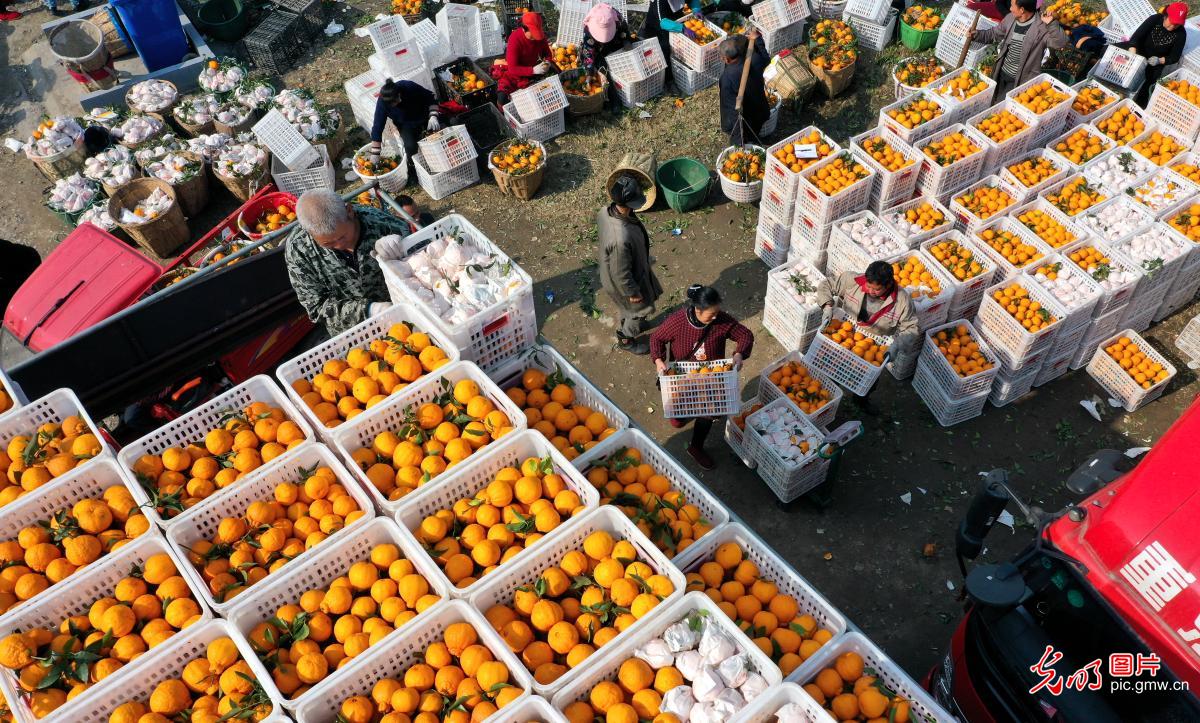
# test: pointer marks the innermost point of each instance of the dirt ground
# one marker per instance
(864, 552)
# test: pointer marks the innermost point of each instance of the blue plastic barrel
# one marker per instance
(155, 30)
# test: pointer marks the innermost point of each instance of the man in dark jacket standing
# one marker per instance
(734, 50)
(625, 265)
(1024, 36)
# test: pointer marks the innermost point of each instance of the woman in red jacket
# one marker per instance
(698, 332)
(528, 55)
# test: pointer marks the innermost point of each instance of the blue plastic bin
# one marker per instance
(155, 30)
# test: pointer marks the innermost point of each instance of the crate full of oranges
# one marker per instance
(848, 354)
(1130, 369)
(854, 681)
(959, 359)
(815, 396)
(1018, 319)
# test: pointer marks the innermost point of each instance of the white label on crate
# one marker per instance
(805, 150)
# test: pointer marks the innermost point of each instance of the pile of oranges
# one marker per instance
(924, 216)
(1033, 170)
(52, 450)
(646, 496)
(744, 165)
(1187, 222)
(1041, 97)
(838, 174)
(957, 259)
(915, 111)
(432, 437)
(566, 57)
(702, 34)
(862, 346)
(1122, 125)
(1046, 227)
(1010, 246)
(6, 399)
(467, 81)
(1140, 367)
(1001, 126)
(1160, 148)
(458, 681)
(849, 694)
(407, 7)
(1071, 13)
(518, 157)
(1090, 99)
(325, 629)
(880, 149)
(1190, 171)
(920, 282)
(950, 149)
(51, 550)
(361, 378)
(799, 385)
(918, 72)
(919, 17)
(773, 621)
(1076, 197)
(1081, 146)
(583, 85)
(476, 534)
(273, 219)
(550, 407)
(1184, 89)
(271, 532)
(985, 201)
(787, 154)
(961, 351)
(1091, 260)
(364, 166)
(962, 86)
(578, 605)
(54, 665)
(216, 687)
(835, 45)
(1015, 300)
(180, 477)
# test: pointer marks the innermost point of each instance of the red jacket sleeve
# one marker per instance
(739, 334)
(522, 54)
(662, 335)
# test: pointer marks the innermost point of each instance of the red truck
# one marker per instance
(1099, 619)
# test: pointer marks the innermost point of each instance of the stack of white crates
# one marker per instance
(696, 66)
(1161, 254)
(638, 73)
(781, 22)
(539, 111)
(778, 203)
(874, 22)
(1019, 351)
(470, 32)
(446, 163)
(1077, 294)
(951, 397)
(953, 36)
(790, 311)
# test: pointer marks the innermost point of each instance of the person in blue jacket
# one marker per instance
(755, 110)
(411, 108)
(666, 16)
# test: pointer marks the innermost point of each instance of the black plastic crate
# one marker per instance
(312, 11)
(512, 10)
(487, 127)
(277, 43)
(469, 99)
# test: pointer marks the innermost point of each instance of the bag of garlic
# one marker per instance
(56, 147)
(155, 148)
(148, 210)
(137, 129)
(196, 114)
(152, 96)
(242, 167)
(222, 75)
(254, 93)
(111, 168)
(71, 196)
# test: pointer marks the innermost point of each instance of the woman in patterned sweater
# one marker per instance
(698, 331)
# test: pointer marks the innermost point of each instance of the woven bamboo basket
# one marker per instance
(161, 236)
(243, 127)
(243, 188)
(192, 194)
(104, 20)
(63, 164)
(524, 186)
(579, 105)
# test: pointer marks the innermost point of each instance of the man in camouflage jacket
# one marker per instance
(329, 259)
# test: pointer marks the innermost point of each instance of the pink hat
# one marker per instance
(601, 22)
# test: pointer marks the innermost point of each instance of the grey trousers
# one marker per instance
(633, 322)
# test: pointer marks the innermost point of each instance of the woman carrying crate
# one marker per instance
(698, 332)
(526, 56)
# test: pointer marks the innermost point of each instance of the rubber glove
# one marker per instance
(434, 124)
(541, 68)
(378, 307)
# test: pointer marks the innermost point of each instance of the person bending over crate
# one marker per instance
(879, 305)
(1024, 37)
(330, 259)
(527, 55)
(604, 32)
(1160, 39)
(697, 332)
(410, 107)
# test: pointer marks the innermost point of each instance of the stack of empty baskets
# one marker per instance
(446, 162)
(470, 32)
(781, 22)
(874, 21)
(296, 165)
(539, 111)
(638, 73)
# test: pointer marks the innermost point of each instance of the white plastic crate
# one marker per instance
(811, 251)
(1160, 270)
(690, 82)
(775, 14)
(542, 130)
(363, 92)
(74, 596)
(192, 428)
(1053, 191)
(530, 709)
(1171, 133)
(916, 133)
(1138, 217)
(285, 142)
(610, 657)
(763, 709)
(319, 175)
(1188, 341)
(772, 122)
(772, 241)
(400, 60)
(1113, 296)
(935, 180)
(1001, 153)
(789, 36)
(1076, 118)
(491, 35)
(931, 310)
(390, 32)
(459, 26)
(200, 522)
(540, 99)
(965, 294)
(1127, 15)
(740, 191)
(686, 395)
(841, 365)
(1058, 144)
(948, 411)
(695, 55)
(1079, 313)
(309, 364)
(889, 187)
(1100, 329)
(789, 320)
(1012, 342)
(1053, 368)
(1183, 190)
(391, 657)
(735, 437)
(815, 210)
(771, 566)
(768, 392)
(643, 60)
(780, 181)
(1121, 68)
(440, 185)
(59, 494)
(966, 218)
(389, 416)
(1051, 122)
(948, 382)
(447, 149)
(1099, 119)
(54, 407)
(1041, 210)
(788, 479)
(1171, 110)
(1118, 383)
(16, 398)
(961, 110)
(498, 588)
(329, 562)
(953, 34)
(633, 92)
(571, 14)
(891, 217)
(468, 480)
(871, 34)
(493, 336)
(548, 359)
(1025, 193)
(694, 492)
(433, 45)
(872, 10)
